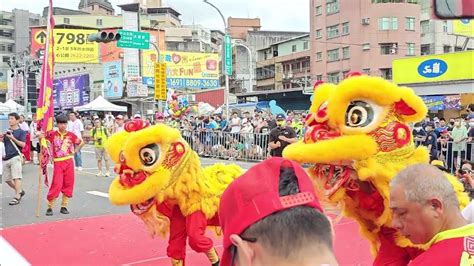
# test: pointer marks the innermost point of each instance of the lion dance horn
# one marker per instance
(136, 125)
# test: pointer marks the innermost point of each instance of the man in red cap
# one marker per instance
(271, 216)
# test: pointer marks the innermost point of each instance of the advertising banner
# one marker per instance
(16, 86)
(70, 45)
(439, 103)
(464, 27)
(136, 89)
(71, 91)
(191, 70)
(113, 80)
(433, 68)
(3, 79)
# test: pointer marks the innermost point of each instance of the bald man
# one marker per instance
(426, 211)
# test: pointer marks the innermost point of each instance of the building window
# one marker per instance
(66, 21)
(319, 10)
(332, 31)
(6, 59)
(425, 26)
(389, 23)
(386, 73)
(445, 26)
(410, 23)
(332, 6)
(99, 22)
(333, 55)
(10, 48)
(305, 46)
(426, 49)
(345, 28)
(446, 49)
(366, 46)
(333, 77)
(319, 77)
(366, 71)
(345, 53)
(410, 49)
(2, 48)
(319, 56)
(319, 33)
(293, 48)
(388, 48)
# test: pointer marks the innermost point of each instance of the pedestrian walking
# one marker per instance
(99, 135)
(14, 141)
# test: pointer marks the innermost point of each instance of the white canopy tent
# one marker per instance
(101, 104)
(4, 109)
(14, 106)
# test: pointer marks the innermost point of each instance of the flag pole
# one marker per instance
(40, 178)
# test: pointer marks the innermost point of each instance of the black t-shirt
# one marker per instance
(10, 150)
(431, 140)
(471, 133)
(272, 124)
(275, 133)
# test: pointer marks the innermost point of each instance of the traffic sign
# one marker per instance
(160, 81)
(134, 39)
(228, 55)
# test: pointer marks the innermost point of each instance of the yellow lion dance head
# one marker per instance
(358, 139)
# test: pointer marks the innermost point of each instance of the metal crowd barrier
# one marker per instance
(254, 147)
(228, 146)
(451, 158)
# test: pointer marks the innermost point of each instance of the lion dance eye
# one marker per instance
(150, 154)
(359, 114)
(122, 157)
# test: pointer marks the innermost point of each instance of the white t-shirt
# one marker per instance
(2, 154)
(76, 127)
(34, 138)
(468, 212)
(235, 125)
(24, 126)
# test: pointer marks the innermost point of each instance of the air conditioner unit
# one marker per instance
(365, 21)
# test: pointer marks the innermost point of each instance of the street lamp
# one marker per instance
(226, 92)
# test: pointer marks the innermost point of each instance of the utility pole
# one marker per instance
(226, 57)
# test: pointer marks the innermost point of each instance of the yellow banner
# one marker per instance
(432, 68)
(70, 45)
(149, 58)
(464, 27)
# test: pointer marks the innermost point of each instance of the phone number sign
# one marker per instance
(70, 46)
(179, 83)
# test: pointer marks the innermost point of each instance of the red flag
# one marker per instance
(45, 111)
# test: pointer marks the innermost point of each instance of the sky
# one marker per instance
(273, 14)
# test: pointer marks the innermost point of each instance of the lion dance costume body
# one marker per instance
(358, 140)
(161, 178)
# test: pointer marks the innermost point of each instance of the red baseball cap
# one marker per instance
(255, 195)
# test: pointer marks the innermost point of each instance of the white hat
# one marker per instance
(137, 116)
(119, 117)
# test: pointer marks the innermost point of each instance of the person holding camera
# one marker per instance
(466, 177)
(281, 136)
(14, 141)
(99, 135)
(64, 144)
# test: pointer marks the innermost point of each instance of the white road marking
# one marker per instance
(14, 258)
(160, 258)
(98, 193)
